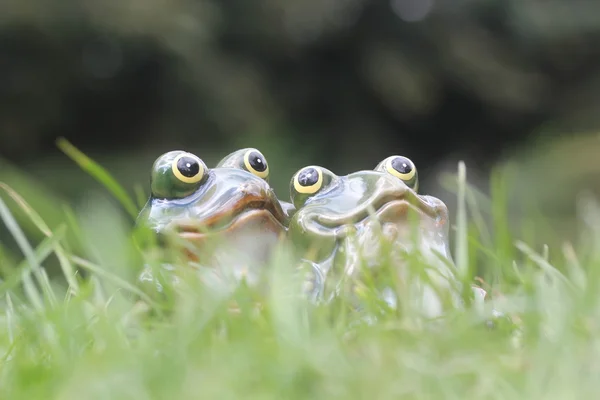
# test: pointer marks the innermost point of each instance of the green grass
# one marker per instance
(94, 333)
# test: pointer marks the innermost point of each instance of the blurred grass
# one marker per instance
(91, 335)
(100, 174)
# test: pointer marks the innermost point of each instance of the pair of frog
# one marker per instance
(336, 223)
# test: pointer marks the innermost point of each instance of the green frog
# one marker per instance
(195, 207)
(368, 219)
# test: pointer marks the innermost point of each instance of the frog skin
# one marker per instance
(237, 159)
(343, 219)
(233, 201)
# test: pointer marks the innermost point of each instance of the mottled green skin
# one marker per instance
(364, 219)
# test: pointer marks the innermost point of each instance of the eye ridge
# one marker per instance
(188, 166)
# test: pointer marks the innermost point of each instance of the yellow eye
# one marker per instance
(308, 180)
(256, 163)
(401, 167)
(187, 168)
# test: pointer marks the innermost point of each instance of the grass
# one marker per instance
(95, 333)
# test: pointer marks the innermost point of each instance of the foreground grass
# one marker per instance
(91, 333)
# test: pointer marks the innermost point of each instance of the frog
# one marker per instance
(195, 207)
(344, 223)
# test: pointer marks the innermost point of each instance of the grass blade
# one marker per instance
(39, 196)
(10, 319)
(47, 288)
(116, 279)
(39, 222)
(35, 217)
(41, 253)
(12, 225)
(462, 250)
(140, 196)
(545, 265)
(101, 175)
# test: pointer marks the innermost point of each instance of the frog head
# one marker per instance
(232, 201)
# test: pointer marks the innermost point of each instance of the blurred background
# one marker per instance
(339, 83)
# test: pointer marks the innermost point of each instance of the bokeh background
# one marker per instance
(339, 83)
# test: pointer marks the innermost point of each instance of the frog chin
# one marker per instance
(247, 238)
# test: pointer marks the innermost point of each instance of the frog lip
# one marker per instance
(252, 222)
(257, 225)
(227, 219)
(387, 206)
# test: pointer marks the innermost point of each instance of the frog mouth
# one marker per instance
(247, 213)
(386, 207)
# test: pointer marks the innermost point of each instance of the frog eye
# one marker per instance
(248, 159)
(256, 163)
(308, 180)
(401, 167)
(187, 168)
(177, 174)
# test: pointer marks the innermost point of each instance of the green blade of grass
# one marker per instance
(477, 217)
(499, 182)
(35, 217)
(101, 175)
(47, 288)
(12, 225)
(98, 297)
(462, 253)
(10, 319)
(140, 196)
(39, 196)
(545, 265)
(44, 249)
(7, 260)
(39, 222)
(96, 269)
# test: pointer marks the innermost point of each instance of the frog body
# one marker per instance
(232, 204)
(367, 219)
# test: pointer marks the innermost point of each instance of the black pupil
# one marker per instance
(401, 165)
(308, 177)
(188, 167)
(257, 162)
